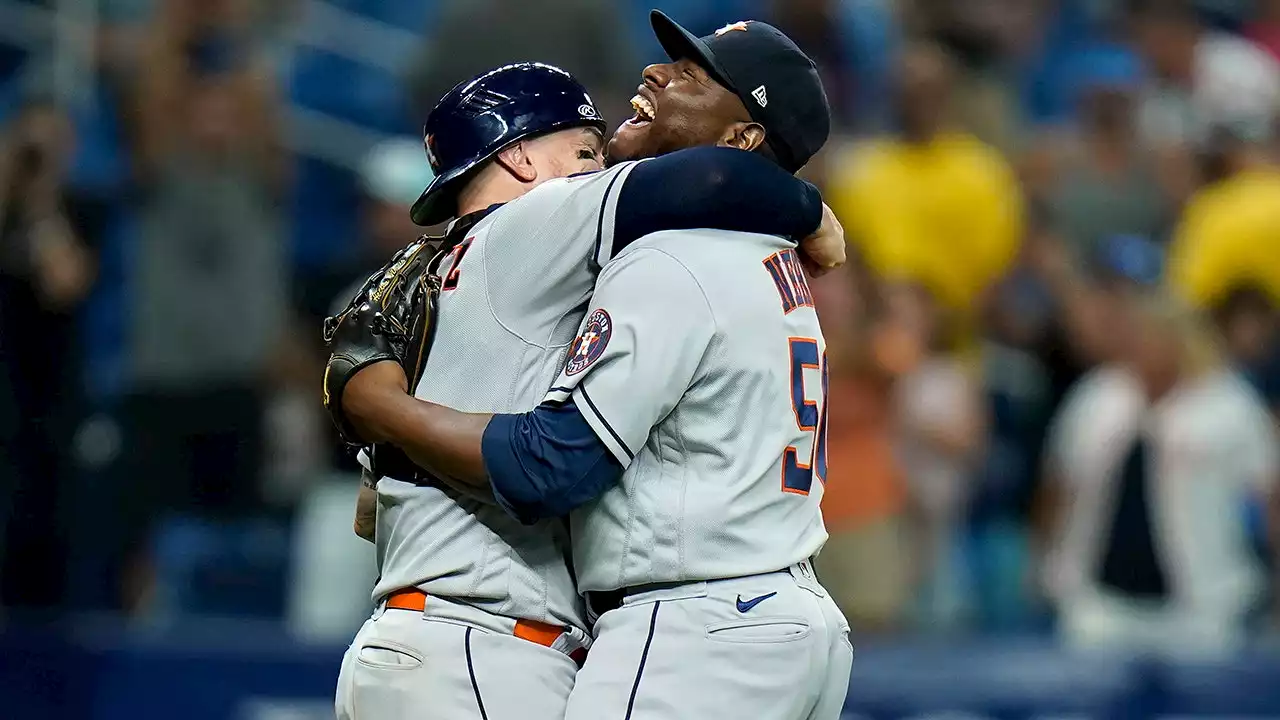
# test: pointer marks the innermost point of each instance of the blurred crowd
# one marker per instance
(1055, 374)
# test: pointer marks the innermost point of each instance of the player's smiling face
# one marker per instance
(678, 106)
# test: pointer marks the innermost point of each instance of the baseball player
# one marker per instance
(477, 614)
(686, 433)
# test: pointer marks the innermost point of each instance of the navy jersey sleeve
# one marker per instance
(714, 187)
(546, 462)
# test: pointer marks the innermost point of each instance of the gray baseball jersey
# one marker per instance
(513, 295)
(701, 366)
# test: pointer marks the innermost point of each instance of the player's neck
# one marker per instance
(489, 188)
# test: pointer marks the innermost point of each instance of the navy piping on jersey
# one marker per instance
(471, 670)
(644, 658)
(606, 423)
(600, 220)
(560, 388)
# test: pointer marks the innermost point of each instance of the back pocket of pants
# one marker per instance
(759, 630)
(386, 655)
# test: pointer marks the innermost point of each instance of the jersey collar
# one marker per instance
(468, 221)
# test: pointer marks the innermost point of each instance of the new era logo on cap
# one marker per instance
(753, 54)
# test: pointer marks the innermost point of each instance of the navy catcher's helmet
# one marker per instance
(480, 117)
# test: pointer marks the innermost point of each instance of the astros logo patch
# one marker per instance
(590, 344)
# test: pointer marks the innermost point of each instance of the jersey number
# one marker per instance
(811, 417)
(458, 252)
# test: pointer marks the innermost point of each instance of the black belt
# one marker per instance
(602, 601)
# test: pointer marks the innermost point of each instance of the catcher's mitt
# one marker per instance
(390, 318)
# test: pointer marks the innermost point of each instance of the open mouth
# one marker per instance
(645, 111)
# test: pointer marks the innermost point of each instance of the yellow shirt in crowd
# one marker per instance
(947, 213)
(1229, 236)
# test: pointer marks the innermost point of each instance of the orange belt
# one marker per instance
(531, 630)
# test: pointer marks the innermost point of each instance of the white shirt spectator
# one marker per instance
(937, 399)
(1213, 447)
(1234, 81)
(936, 396)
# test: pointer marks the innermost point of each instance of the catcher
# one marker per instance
(477, 615)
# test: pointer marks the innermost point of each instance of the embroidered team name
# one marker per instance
(784, 267)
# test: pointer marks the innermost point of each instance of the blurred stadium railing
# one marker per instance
(246, 672)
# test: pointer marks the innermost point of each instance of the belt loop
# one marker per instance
(577, 640)
(805, 578)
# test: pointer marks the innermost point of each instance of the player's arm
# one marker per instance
(534, 452)
(595, 216)
(573, 447)
(649, 326)
(366, 506)
(441, 440)
(713, 187)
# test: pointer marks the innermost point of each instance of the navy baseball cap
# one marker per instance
(776, 81)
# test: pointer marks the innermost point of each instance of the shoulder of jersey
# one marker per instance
(563, 185)
(592, 173)
(555, 188)
(712, 252)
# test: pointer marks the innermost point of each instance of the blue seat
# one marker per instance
(1248, 685)
(1013, 679)
(220, 569)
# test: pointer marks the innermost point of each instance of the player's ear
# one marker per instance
(743, 136)
(517, 161)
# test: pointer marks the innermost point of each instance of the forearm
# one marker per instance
(66, 269)
(367, 507)
(479, 493)
(443, 441)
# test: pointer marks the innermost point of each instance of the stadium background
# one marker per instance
(176, 526)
